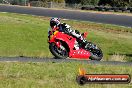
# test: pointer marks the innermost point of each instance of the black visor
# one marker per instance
(52, 24)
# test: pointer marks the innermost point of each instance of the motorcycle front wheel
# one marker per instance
(58, 52)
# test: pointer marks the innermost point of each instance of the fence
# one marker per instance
(47, 5)
(55, 5)
(41, 4)
(15, 2)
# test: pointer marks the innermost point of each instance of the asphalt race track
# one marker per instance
(29, 59)
(121, 20)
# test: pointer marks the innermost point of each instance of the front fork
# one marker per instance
(59, 45)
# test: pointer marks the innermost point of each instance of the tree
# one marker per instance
(58, 1)
(104, 2)
(89, 2)
(115, 3)
(72, 1)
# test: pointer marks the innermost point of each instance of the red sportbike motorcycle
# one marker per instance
(62, 46)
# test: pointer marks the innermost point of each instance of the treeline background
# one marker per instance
(112, 3)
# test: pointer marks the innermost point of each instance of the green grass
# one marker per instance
(55, 75)
(26, 35)
(23, 35)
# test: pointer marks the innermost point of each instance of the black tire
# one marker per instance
(95, 51)
(57, 54)
(116, 9)
(82, 8)
(96, 56)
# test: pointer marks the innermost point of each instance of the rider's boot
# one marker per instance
(76, 45)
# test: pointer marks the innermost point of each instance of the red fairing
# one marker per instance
(64, 37)
(70, 41)
(81, 53)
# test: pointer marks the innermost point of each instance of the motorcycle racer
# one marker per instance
(55, 24)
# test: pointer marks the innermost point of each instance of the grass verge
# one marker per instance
(26, 35)
(54, 75)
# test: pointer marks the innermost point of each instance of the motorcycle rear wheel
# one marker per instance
(57, 52)
(95, 51)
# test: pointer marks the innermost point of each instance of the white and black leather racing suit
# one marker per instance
(63, 27)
